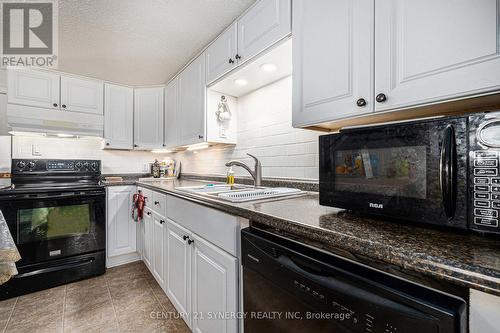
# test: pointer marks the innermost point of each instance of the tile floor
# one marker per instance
(122, 300)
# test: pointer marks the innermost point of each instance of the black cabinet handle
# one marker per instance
(164, 145)
(149, 213)
(361, 102)
(107, 143)
(231, 61)
(55, 105)
(237, 56)
(190, 241)
(185, 237)
(64, 106)
(136, 146)
(157, 202)
(200, 136)
(381, 98)
(161, 221)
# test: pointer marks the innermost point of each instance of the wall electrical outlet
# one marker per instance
(145, 167)
(35, 150)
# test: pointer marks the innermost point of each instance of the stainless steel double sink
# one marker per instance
(240, 193)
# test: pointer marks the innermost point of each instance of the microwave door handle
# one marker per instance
(448, 172)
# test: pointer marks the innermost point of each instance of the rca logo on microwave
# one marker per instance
(376, 205)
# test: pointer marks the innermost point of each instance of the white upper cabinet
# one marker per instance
(171, 105)
(191, 107)
(33, 88)
(332, 53)
(262, 25)
(221, 54)
(118, 116)
(121, 228)
(427, 51)
(148, 118)
(81, 95)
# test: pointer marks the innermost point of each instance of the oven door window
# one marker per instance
(48, 223)
(391, 172)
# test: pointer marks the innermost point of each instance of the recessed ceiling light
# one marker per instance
(241, 82)
(268, 67)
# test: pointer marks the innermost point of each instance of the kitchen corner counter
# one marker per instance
(8, 252)
(403, 249)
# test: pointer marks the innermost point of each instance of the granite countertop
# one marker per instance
(466, 260)
(8, 252)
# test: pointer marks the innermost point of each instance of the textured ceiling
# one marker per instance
(138, 42)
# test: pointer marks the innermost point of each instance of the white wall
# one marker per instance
(264, 129)
(113, 161)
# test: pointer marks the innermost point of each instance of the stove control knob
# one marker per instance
(78, 165)
(32, 164)
(21, 164)
(93, 165)
(86, 165)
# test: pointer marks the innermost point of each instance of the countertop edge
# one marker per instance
(421, 264)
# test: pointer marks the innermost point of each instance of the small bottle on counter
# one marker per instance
(156, 169)
(230, 176)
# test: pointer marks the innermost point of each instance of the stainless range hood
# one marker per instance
(22, 118)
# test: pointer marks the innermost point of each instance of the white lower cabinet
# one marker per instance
(159, 225)
(194, 259)
(214, 288)
(178, 267)
(147, 249)
(483, 312)
(120, 227)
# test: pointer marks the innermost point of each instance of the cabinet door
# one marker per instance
(118, 117)
(428, 51)
(214, 287)
(121, 228)
(220, 55)
(148, 118)
(33, 88)
(191, 110)
(178, 267)
(171, 113)
(264, 24)
(147, 250)
(332, 55)
(82, 95)
(158, 248)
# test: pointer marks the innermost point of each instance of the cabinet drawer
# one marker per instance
(159, 203)
(215, 226)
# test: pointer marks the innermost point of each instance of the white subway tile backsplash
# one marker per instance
(265, 130)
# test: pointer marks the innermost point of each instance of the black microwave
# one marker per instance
(440, 171)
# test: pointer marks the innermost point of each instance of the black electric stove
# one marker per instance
(56, 213)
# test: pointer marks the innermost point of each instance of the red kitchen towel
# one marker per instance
(138, 206)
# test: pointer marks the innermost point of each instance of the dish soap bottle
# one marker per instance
(230, 176)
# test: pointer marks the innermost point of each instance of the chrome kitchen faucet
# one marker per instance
(256, 173)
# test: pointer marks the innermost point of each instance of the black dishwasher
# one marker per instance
(291, 287)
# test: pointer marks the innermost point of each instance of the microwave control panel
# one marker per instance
(484, 176)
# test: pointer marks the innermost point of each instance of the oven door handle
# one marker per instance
(59, 196)
(73, 264)
(448, 172)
